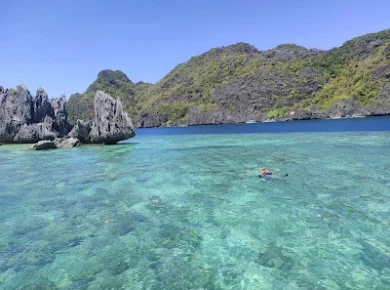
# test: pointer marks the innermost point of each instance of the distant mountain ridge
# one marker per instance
(238, 83)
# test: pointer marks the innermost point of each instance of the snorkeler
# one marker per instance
(264, 172)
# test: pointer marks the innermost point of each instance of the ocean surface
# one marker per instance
(184, 208)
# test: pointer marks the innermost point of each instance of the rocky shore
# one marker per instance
(196, 116)
(29, 119)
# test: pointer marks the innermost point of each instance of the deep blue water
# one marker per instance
(336, 125)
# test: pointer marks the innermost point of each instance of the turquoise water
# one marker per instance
(189, 212)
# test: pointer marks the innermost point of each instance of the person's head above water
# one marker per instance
(264, 171)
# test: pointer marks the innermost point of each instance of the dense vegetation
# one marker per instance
(239, 82)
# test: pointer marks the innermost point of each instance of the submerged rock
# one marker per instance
(111, 124)
(275, 257)
(44, 145)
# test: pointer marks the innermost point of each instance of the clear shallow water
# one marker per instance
(187, 211)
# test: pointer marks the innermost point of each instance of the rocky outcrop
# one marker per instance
(28, 119)
(41, 106)
(24, 105)
(36, 132)
(197, 116)
(60, 114)
(110, 125)
(44, 145)
(82, 131)
(348, 108)
(286, 52)
(112, 121)
(16, 109)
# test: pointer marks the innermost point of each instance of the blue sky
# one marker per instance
(62, 45)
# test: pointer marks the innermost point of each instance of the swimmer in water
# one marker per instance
(264, 172)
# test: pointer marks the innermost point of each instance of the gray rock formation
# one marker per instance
(110, 125)
(82, 131)
(149, 119)
(16, 109)
(60, 114)
(197, 116)
(347, 108)
(44, 145)
(42, 106)
(286, 52)
(24, 107)
(28, 119)
(36, 132)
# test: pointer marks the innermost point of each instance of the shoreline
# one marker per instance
(27, 145)
(279, 120)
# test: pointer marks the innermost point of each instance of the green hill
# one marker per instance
(114, 83)
(238, 82)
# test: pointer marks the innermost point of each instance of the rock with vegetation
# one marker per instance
(44, 145)
(114, 83)
(110, 125)
(238, 82)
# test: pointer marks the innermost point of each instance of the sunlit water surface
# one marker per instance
(188, 211)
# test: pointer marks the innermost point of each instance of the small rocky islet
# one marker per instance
(37, 119)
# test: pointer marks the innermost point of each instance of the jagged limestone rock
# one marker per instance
(110, 125)
(28, 119)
